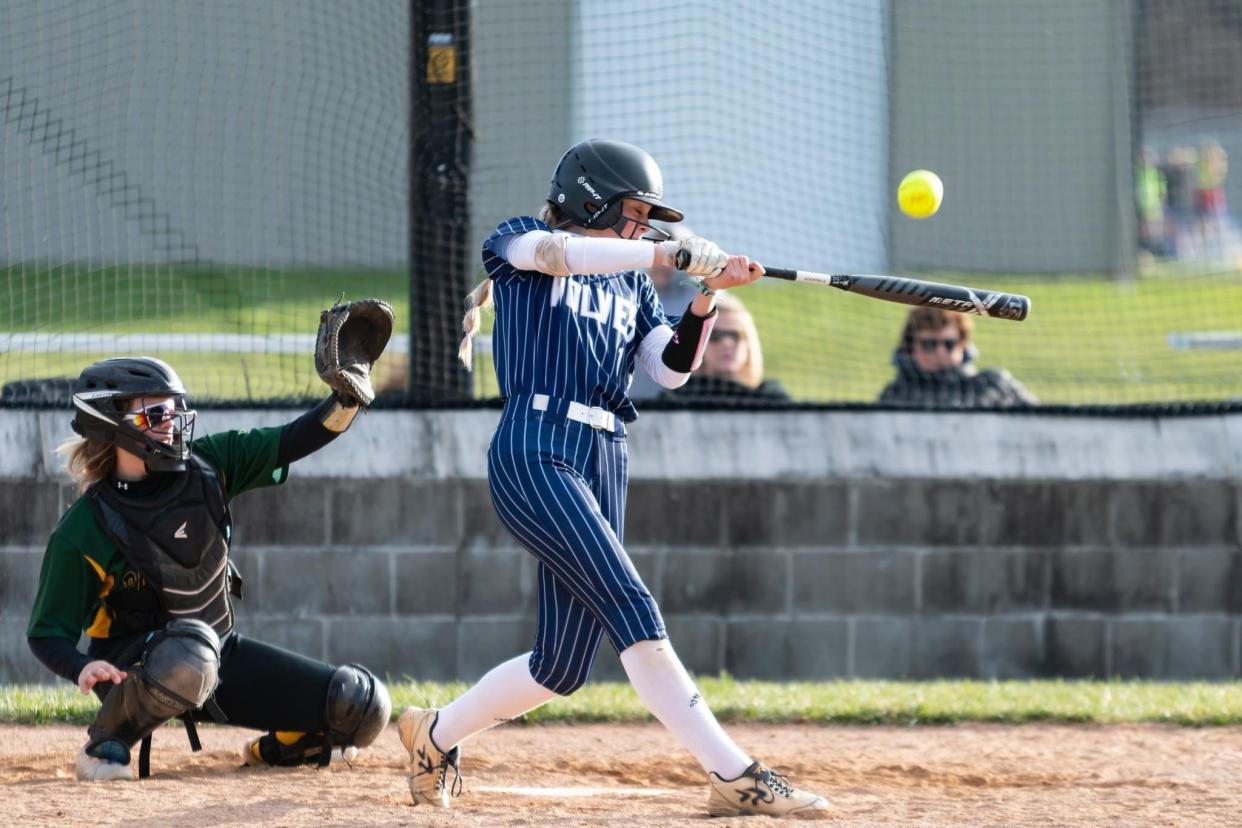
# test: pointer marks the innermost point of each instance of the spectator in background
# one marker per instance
(1215, 232)
(676, 292)
(1179, 174)
(936, 367)
(1150, 196)
(732, 369)
(1211, 167)
(1197, 224)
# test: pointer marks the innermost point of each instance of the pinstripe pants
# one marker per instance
(558, 486)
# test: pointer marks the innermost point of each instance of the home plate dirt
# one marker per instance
(637, 776)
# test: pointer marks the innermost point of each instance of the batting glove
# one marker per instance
(700, 257)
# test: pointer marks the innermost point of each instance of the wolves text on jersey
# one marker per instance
(598, 303)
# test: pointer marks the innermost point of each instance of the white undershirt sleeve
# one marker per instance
(651, 355)
(584, 255)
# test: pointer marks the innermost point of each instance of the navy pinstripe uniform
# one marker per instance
(558, 485)
(564, 348)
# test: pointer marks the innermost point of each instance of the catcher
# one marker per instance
(140, 562)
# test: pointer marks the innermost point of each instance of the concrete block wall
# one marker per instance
(1043, 551)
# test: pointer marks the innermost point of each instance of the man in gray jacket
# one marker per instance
(936, 367)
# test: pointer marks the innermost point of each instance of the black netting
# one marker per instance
(195, 181)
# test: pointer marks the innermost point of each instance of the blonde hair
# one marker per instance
(480, 298)
(87, 461)
(476, 301)
(751, 372)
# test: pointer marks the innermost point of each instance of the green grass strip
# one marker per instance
(1194, 704)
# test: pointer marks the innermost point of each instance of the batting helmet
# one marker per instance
(593, 177)
(101, 399)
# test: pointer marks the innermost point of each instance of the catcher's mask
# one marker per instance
(104, 394)
(594, 177)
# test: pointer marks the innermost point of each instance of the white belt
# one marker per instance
(595, 416)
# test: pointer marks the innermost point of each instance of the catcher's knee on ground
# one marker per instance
(178, 672)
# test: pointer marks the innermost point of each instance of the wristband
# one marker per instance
(701, 286)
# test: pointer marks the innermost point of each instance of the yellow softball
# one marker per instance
(920, 194)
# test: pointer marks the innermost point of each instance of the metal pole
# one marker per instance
(441, 146)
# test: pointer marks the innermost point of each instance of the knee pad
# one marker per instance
(182, 663)
(358, 707)
(179, 672)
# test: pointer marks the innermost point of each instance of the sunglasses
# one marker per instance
(153, 416)
(929, 345)
(725, 336)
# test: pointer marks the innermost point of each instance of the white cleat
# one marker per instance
(428, 764)
(93, 769)
(759, 791)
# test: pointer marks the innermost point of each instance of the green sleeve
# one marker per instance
(69, 588)
(246, 459)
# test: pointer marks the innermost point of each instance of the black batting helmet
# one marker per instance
(101, 399)
(593, 177)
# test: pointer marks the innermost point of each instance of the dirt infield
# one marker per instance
(928, 776)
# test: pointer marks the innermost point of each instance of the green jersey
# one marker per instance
(82, 566)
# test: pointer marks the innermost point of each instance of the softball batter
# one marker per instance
(140, 562)
(573, 315)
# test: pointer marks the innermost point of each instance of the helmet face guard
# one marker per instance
(611, 216)
(104, 394)
(593, 179)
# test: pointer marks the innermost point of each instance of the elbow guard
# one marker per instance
(550, 255)
(684, 352)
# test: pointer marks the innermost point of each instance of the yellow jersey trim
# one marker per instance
(102, 625)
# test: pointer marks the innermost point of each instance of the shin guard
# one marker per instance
(178, 672)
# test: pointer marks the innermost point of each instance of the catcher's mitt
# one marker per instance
(351, 338)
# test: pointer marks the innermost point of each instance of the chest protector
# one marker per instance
(179, 541)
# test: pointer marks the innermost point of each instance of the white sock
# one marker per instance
(666, 689)
(505, 693)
